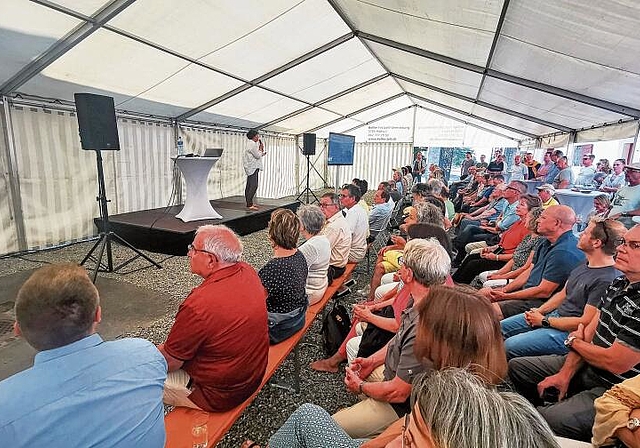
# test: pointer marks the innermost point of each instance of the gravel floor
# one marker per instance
(272, 406)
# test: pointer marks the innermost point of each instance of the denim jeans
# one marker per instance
(284, 325)
(522, 340)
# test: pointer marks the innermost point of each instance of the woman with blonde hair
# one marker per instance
(284, 277)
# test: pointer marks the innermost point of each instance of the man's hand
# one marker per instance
(352, 380)
(398, 240)
(560, 381)
(497, 295)
(579, 332)
(533, 317)
(362, 312)
(364, 366)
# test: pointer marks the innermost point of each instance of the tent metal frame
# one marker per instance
(101, 18)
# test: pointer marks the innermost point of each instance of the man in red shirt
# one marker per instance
(218, 346)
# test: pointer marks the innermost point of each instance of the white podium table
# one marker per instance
(196, 171)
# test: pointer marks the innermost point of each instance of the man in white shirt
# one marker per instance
(626, 202)
(587, 171)
(358, 222)
(337, 232)
(518, 170)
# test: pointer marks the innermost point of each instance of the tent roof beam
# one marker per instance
(557, 91)
(371, 106)
(496, 37)
(468, 114)
(485, 104)
(269, 75)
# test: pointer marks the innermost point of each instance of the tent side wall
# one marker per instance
(57, 180)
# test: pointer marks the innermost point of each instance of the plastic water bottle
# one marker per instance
(180, 146)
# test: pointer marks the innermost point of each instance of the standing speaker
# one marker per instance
(309, 144)
(97, 122)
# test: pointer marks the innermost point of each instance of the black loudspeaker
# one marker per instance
(97, 122)
(309, 144)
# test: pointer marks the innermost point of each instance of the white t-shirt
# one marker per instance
(359, 225)
(317, 252)
(252, 157)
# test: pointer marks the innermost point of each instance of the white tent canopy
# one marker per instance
(292, 66)
(428, 72)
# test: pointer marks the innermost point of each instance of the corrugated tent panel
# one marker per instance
(227, 178)
(144, 170)
(587, 47)
(373, 162)
(363, 97)
(613, 132)
(305, 121)
(559, 141)
(462, 29)
(432, 95)
(8, 229)
(58, 180)
(476, 138)
(86, 7)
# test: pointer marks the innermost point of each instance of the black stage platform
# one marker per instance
(158, 230)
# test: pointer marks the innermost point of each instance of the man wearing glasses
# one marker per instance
(218, 346)
(603, 353)
(626, 202)
(542, 330)
(338, 233)
(564, 178)
(587, 171)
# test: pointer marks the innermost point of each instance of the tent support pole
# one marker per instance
(635, 141)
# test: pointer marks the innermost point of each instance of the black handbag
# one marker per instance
(335, 328)
(374, 338)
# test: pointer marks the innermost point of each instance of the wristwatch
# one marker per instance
(569, 341)
(545, 322)
(633, 424)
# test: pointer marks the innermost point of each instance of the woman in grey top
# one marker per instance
(252, 162)
(316, 250)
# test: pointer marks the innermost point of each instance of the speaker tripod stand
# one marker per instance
(103, 244)
(308, 191)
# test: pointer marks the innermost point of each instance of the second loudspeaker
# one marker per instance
(309, 144)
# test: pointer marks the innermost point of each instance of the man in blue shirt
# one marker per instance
(380, 213)
(81, 391)
(554, 170)
(553, 261)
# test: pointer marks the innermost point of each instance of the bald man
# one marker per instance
(553, 261)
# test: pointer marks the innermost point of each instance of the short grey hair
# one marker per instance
(428, 260)
(222, 242)
(491, 418)
(311, 218)
(429, 213)
(435, 185)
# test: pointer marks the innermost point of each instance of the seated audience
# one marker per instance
(546, 193)
(216, 350)
(482, 164)
(497, 165)
(316, 250)
(542, 330)
(604, 353)
(396, 180)
(483, 232)
(391, 370)
(555, 258)
(471, 340)
(358, 222)
(532, 166)
(626, 202)
(564, 178)
(380, 213)
(601, 206)
(554, 169)
(494, 257)
(485, 214)
(616, 180)
(338, 232)
(521, 260)
(285, 277)
(81, 391)
(363, 185)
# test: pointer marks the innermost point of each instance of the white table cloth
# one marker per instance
(195, 171)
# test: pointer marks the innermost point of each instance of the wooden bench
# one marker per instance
(179, 422)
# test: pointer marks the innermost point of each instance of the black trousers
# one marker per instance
(473, 265)
(335, 272)
(251, 188)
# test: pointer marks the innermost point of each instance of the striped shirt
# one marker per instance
(619, 321)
